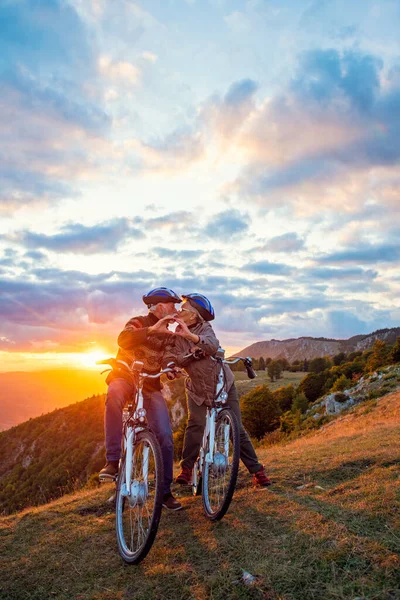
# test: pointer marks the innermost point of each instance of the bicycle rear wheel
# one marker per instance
(138, 513)
(219, 477)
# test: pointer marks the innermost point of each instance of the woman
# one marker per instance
(195, 332)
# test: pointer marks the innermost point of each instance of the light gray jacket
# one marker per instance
(203, 373)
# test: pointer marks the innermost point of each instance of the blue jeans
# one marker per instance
(119, 391)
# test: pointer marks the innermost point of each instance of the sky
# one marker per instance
(247, 150)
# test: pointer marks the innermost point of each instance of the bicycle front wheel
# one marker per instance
(219, 476)
(139, 501)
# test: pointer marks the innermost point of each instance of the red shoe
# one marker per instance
(185, 476)
(260, 479)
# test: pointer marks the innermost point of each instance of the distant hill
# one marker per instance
(309, 347)
(24, 395)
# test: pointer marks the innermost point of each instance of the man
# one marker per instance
(194, 331)
(143, 338)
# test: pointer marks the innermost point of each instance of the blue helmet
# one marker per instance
(161, 294)
(201, 304)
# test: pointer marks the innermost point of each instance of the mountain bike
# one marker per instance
(140, 480)
(216, 469)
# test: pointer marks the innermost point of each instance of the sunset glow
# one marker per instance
(245, 150)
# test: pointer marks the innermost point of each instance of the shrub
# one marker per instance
(340, 397)
(341, 384)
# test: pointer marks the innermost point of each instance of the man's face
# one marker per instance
(164, 309)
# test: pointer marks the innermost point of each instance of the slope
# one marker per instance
(327, 529)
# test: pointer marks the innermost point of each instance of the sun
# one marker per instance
(89, 359)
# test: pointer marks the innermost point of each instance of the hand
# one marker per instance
(161, 327)
(183, 331)
(175, 375)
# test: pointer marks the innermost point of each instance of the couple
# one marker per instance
(148, 339)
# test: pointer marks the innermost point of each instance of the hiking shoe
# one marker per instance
(260, 479)
(171, 503)
(109, 471)
(185, 476)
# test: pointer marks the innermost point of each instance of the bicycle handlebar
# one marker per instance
(114, 364)
(251, 374)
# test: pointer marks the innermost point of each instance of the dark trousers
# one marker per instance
(195, 429)
(119, 391)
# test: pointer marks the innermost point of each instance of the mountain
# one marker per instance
(24, 395)
(309, 347)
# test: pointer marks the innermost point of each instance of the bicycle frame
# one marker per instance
(211, 418)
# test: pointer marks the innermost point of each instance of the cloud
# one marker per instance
(366, 253)
(226, 224)
(123, 72)
(47, 121)
(327, 273)
(217, 121)
(288, 242)
(344, 109)
(103, 237)
(265, 267)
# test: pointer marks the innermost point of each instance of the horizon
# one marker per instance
(269, 182)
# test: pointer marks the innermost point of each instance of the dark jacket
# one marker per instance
(135, 344)
(203, 373)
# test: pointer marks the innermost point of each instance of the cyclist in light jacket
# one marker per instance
(195, 332)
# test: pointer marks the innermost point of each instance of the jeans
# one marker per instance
(119, 391)
(195, 429)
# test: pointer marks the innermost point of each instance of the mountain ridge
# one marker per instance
(307, 347)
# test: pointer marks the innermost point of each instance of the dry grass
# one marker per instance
(329, 529)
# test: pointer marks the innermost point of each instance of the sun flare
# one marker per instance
(89, 359)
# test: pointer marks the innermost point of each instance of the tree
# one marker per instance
(284, 397)
(260, 411)
(285, 363)
(313, 384)
(339, 358)
(255, 364)
(261, 364)
(300, 403)
(274, 370)
(317, 365)
(395, 354)
(379, 356)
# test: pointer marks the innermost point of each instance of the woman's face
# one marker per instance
(187, 314)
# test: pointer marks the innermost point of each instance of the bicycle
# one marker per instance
(216, 469)
(140, 479)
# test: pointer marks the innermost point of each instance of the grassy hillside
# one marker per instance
(329, 528)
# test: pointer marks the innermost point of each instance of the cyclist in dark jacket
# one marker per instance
(194, 331)
(143, 338)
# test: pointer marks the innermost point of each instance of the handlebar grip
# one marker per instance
(251, 374)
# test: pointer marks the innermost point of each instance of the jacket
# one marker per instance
(135, 344)
(203, 373)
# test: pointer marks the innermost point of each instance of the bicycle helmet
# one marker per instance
(161, 294)
(201, 304)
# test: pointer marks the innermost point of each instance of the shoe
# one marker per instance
(185, 476)
(171, 503)
(109, 471)
(260, 479)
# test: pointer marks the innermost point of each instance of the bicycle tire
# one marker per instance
(138, 516)
(219, 477)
